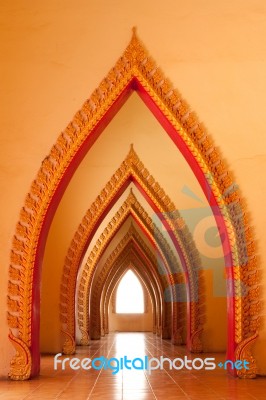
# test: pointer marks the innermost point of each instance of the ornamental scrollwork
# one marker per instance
(134, 65)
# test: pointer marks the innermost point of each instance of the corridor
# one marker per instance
(132, 384)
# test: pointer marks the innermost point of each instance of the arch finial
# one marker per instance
(135, 52)
(131, 154)
(134, 32)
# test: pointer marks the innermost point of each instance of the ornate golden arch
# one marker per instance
(158, 308)
(130, 206)
(120, 255)
(157, 284)
(144, 285)
(109, 291)
(132, 167)
(112, 285)
(135, 70)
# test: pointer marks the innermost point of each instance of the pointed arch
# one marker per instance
(130, 281)
(131, 247)
(142, 256)
(131, 271)
(134, 71)
(146, 257)
(173, 323)
(133, 170)
(146, 292)
(156, 298)
(130, 207)
(126, 262)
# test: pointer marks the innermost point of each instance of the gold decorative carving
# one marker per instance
(196, 344)
(21, 362)
(85, 340)
(135, 63)
(123, 262)
(177, 336)
(117, 263)
(131, 205)
(243, 353)
(69, 346)
(133, 167)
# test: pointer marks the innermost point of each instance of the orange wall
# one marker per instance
(131, 322)
(55, 54)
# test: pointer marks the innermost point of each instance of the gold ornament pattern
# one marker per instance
(135, 63)
(21, 363)
(155, 290)
(133, 167)
(243, 353)
(130, 206)
(113, 263)
(116, 279)
(96, 317)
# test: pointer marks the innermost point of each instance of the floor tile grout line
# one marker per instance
(157, 385)
(100, 371)
(171, 377)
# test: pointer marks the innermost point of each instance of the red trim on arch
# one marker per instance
(134, 84)
(180, 144)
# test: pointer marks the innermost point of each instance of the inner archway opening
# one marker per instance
(130, 304)
(129, 296)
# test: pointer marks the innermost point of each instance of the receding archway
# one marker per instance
(132, 249)
(133, 169)
(148, 294)
(129, 287)
(135, 71)
(130, 207)
(140, 255)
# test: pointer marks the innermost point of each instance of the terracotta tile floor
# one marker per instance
(163, 384)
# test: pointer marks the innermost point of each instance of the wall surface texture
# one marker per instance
(54, 54)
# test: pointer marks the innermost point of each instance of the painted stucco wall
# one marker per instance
(131, 322)
(55, 53)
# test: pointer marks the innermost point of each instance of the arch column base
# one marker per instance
(166, 333)
(177, 337)
(21, 363)
(85, 340)
(95, 334)
(243, 352)
(69, 345)
(196, 343)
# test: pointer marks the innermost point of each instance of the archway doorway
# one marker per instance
(129, 298)
(130, 307)
(137, 73)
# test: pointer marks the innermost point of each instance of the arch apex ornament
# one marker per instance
(135, 52)
(134, 70)
(134, 31)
